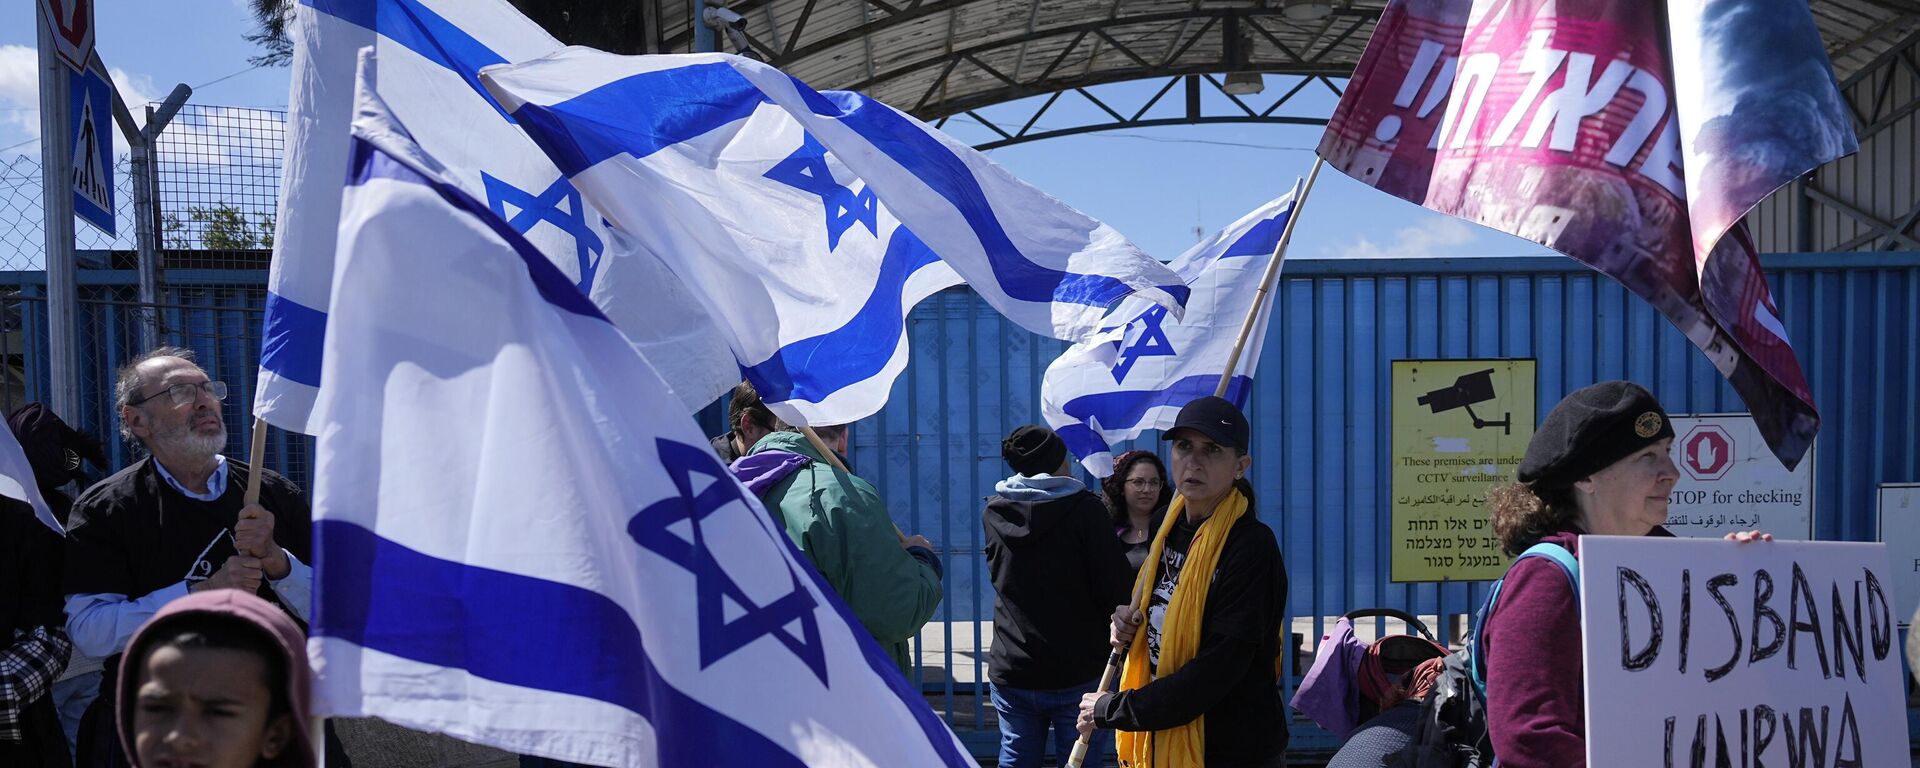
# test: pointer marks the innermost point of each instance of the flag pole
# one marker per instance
(1266, 282)
(821, 446)
(1119, 655)
(834, 459)
(256, 460)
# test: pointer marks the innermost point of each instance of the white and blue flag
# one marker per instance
(813, 223)
(518, 547)
(430, 51)
(1144, 365)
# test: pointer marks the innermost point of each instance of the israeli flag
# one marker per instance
(16, 481)
(813, 223)
(519, 548)
(1144, 365)
(430, 51)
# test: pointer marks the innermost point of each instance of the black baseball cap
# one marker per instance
(1217, 418)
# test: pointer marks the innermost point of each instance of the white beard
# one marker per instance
(187, 443)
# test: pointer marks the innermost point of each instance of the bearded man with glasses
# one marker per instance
(171, 523)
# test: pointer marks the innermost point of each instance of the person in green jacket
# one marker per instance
(890, 581)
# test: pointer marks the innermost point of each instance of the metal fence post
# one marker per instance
(146, 229)
(146, 194)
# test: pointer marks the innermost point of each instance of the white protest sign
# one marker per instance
(1900, 529)
(1730, 481)
(1745, 653)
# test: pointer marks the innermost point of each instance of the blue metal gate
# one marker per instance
(1319, 406)
(1321, 416)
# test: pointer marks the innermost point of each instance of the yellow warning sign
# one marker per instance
(1460, 427)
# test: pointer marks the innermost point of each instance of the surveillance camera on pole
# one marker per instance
(735, 27)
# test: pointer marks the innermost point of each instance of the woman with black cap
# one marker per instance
(1197, 687)
(1599, 464)
(1055, 568)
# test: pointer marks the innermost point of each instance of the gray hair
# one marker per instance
(128, 382)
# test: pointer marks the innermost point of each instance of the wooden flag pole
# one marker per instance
(1266, 282)
(1119, 655)
(821, 446)
(834, 459)
(1108, 678)
(256, 460)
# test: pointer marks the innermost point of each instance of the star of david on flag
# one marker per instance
(1144, 338)
(509, 555)
(530, 210)
(656, 528)
(1144, 365)
(812, 223)
(431, 52)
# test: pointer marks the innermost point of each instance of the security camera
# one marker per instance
(1466, 391)
(736, 28)
(719, 17)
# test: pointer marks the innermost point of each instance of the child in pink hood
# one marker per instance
(216, 679)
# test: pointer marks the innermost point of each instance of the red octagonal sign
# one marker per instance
(1707, 452)
(71, 22)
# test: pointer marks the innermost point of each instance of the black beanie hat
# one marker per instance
(1591, 429)
(1033, 450)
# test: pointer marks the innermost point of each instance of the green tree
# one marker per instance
(224, 228)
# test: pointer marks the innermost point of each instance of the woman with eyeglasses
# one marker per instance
(1137, 496)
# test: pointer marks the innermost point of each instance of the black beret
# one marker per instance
(1034, 450)
(1591, 429)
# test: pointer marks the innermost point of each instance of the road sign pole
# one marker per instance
(56, 176)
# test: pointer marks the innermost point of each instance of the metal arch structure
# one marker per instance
(1200, 100)
(947, 59)
(940, 58)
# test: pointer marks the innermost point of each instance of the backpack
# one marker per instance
(1452, 729)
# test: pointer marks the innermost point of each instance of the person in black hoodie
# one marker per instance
(1055, 567)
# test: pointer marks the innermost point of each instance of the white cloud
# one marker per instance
(135, 89)
(1436, 236)
(20, 95)
(19, 92)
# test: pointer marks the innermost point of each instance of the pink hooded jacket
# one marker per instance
(271, 620)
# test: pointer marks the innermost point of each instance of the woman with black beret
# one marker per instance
(1599, 464)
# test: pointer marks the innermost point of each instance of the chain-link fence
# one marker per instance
(23, 219)
(217, 177)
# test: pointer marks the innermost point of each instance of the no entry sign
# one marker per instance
(71, 22)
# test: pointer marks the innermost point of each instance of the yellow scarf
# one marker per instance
(1182, 746)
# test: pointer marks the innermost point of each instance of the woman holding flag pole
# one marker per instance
(1197, 686)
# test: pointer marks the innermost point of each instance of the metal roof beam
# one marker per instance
(1089, 27)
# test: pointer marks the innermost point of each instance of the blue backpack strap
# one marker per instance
(1554, 553)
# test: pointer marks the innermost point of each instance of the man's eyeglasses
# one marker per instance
(1144, 484)
(182, 394)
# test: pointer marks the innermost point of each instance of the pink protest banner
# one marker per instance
(1630, 135)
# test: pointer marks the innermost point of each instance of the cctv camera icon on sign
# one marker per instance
(1465, 392)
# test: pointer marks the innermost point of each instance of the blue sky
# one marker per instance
(1155, 185)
